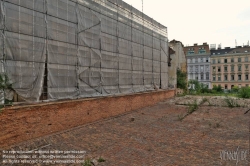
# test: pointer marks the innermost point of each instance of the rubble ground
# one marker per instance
(156, 136)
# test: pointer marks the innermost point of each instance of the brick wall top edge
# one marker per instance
(17, 107)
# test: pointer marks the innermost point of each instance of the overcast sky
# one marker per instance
(198, 21)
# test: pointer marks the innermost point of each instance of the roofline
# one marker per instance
(232, 54)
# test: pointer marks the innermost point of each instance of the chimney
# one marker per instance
(195, 44)
(205, 43)
(227, 47)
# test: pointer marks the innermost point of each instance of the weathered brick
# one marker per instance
(18, 124)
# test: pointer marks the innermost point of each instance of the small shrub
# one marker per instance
(214, 91)
(87, 162)
(5, 84)
(181, 80)
(231, 102)
(244, 92)
(204, 100)
(100, 160)
(196, 85)
(235, 89)
(217, 89)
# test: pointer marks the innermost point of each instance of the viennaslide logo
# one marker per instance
(238, 155)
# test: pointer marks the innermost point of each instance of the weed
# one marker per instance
(100, 160)
(87, 162)
(204, 100)
(192, 107)
(180, 117)
(231, 102)
(217, 125)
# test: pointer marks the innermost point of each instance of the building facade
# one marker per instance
(198, 63)
(230, 67)
(179, 61)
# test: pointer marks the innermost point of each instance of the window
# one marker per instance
(201, 59)
(191, 68)
(239, 77)
(207, 76)
(225, 78)
(239, 59)
(219, 78)
(239, 68)
(246, 66)
(202, 51)
(232, 77)
(207, 68)
(214, 78)
(214, 61)
(246, 76)
(225, 60)
(232, 68)
(207, 60)
(232, 59)
(202, 76)
(247, 85)
(214, 69)
(196, 76)
(218, 60)
(246, 59)
(196, 60)
(226, 86)
(196, 68)
(225, 69)
(202, 68)
(190, 52)
(218, 69)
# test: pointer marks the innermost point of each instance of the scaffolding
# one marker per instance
(68, 49)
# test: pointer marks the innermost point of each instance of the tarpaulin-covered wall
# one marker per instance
(81, 48)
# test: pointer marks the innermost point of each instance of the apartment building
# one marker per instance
(198, 63)
(230, 67)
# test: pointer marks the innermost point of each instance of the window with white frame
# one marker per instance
(207, 68)
(196, 69)
(207, 76)
(214, 78)
(202, 76)
(202, 69)
(219, 78)
(246, 59)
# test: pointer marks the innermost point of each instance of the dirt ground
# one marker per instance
(156, 136)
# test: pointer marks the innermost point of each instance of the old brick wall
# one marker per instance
(22, 123)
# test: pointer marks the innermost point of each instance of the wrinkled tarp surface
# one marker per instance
(81, 48)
